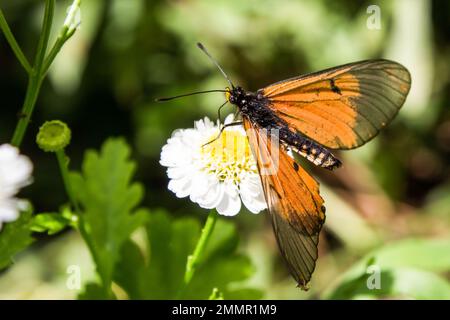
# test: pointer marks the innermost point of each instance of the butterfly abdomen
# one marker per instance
(312, 151)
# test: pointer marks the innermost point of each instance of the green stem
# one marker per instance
(45, 35)
(62, 162)
(13, 43)
(28, 105)
(35, 79)
(193, 259)
(62, 38)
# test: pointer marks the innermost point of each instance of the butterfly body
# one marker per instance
(256, 106)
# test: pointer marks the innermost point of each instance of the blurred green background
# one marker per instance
(391, 200)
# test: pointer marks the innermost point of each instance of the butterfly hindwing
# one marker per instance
(293, 201)
(342, 107)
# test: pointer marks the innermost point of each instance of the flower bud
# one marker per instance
(53, 136)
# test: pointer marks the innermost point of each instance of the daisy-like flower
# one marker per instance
(15, 173)
(222, 174)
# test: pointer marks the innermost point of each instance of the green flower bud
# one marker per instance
(53, 136)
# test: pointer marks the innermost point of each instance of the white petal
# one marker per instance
(175, 153)
(15, 173)
(212, 198)
(252, 195)
(179, 172)
(231, 203)
(181, 187)
(229, 206)
(200, 186)
(15, 169)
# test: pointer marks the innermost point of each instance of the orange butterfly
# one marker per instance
(338, 108)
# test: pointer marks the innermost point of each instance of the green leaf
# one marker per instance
(245, 294)
(396, 283)
(15, 237)
(224, 239)
(417, 253)
(159, 274)
(169, 244)
(108, 198)
(425, 254)
(50, 223)
(396, 260)
(130, 270)
(220, 272)
(216, 295)
(94, 291)
(222, 266)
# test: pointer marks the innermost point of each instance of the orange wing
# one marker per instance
(294, 202)
(342, 107)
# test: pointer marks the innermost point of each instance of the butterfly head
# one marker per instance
(235, 96)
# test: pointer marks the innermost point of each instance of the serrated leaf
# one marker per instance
(108, 199)
(170, 242)
(221, 265)
(159, 276)
(15, 237)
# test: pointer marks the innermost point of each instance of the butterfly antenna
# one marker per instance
(215, 62)
(188, 94)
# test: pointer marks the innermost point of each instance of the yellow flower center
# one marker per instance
(229, 157)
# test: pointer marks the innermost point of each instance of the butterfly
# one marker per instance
(340, 108)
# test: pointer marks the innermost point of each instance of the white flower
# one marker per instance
(217, 175)
(15, 173)
(73, 17)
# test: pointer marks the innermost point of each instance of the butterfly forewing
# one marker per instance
(342, 107)
(293, 201)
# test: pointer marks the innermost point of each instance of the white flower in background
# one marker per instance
(218, 175)
(15, 173)
(73, 17)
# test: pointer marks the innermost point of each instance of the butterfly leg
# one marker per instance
(231, 124)
(218, 111)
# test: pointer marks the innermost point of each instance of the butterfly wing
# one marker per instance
(342, 107)
(293, 201)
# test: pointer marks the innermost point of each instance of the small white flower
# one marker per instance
(217, 175)
(15, 173)
(73, 17)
